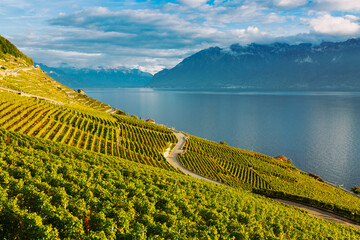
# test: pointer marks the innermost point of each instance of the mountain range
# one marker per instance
(101, 77)
(276, 66)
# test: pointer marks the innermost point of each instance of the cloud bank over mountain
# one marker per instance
(154, 35)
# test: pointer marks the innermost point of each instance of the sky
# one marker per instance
(153, 35)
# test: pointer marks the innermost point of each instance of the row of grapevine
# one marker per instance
(86, 129)
(245, 174)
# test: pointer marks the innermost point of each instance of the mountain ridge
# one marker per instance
(276, 66)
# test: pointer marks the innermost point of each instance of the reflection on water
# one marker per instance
(318, 130)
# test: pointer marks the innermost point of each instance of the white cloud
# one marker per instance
(337, 5)
(289, 3)
(327, 24)
(352, 17)
(274, 18)
(193, 3)
(242, 13)
(250, 34)
(150, 24)
(22, 4)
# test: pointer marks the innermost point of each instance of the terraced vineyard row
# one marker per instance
(86, 129)
(206, 159)
(265, 175)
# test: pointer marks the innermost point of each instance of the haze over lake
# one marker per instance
(317, 130)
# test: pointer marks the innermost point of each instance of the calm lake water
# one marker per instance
(320, 132)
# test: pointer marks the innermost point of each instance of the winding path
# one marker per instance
(171, 157)
(111, 110)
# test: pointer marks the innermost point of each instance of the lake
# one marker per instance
(319, 131)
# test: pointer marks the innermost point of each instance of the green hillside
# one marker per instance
(18, 74)
(71, 170)
(6, 47)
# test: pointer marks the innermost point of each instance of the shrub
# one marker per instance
(356, 190)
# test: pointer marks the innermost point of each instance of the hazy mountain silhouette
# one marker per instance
(276, 66)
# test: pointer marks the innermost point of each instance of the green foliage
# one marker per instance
(356, 190)
(223, 143)
(119, 112)
(54, 191)
(6, 47)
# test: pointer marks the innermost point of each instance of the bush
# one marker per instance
(356, 190)
(223, 143)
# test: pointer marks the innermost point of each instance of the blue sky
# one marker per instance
(152, 35)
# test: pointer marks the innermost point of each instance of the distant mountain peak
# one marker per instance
(304, 66)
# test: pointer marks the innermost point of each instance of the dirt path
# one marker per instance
(14, 72)
(111, 110)
(31, 95)
(321, 214)
(171, 157)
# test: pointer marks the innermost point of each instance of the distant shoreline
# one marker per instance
(242, 91)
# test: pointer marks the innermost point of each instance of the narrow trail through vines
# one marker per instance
(172, 158)
(31, 95)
